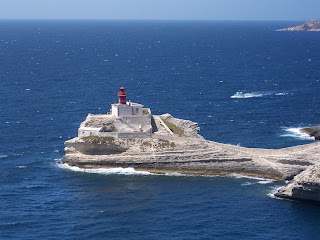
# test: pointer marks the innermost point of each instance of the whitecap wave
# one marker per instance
(256, 94)
(21, 166)
(295, 133)
(281, 94)
(3, 155)
(104, 171)
(250, 95)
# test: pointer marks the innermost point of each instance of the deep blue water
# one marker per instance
(55, 72)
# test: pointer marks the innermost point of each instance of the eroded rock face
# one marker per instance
(304, 186)
(78, 145)
(313, 25)
(190, 128)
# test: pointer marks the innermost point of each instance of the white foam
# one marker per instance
(121, 171)
(256, 94)
(266, 181)
(235, 175)
(3, 155)
(176, 174)
(273, 191)
(250, 95)
(281, 94)
(104, 171)
(296, 133)
(247, 184)
(260, 179)
(21, 166)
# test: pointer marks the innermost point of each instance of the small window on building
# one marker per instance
(137, 110)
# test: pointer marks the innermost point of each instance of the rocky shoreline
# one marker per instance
(176, 146)
(312, 26)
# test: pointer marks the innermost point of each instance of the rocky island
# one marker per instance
(130, 136)
(313, 25)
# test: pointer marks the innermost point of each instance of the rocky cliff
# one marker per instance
(313, 25)
(304, 186)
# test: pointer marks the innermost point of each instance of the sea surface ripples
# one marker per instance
(53, 73)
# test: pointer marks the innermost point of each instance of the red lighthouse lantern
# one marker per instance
(122, 96)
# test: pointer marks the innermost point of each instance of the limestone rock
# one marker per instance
(304, 186)
(190, 128)
(164, 151)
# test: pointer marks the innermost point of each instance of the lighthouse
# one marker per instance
(122, 96)
(124, 108)
(125, 120)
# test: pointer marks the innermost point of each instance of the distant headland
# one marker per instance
(313, 25)
(130, 136)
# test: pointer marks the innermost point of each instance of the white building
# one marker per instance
(127, 120)
(128, 109)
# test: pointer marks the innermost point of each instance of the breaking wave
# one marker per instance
(120, 171)
(295, 133)
(274, 190)
(176, 174)
(260, 179)
(105, 171)
(236, 175)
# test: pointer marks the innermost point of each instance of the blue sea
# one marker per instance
(53, 73)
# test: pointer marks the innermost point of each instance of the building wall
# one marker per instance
(89, 132)
(85, 132)
(136, 123)
(137, 110)
(123, 126)
(125, 110)
(114, 110)
(121, 110)
(128, 109)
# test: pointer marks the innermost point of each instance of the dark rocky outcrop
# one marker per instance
(312, 132)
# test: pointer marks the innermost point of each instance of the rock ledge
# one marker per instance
(176, 146)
